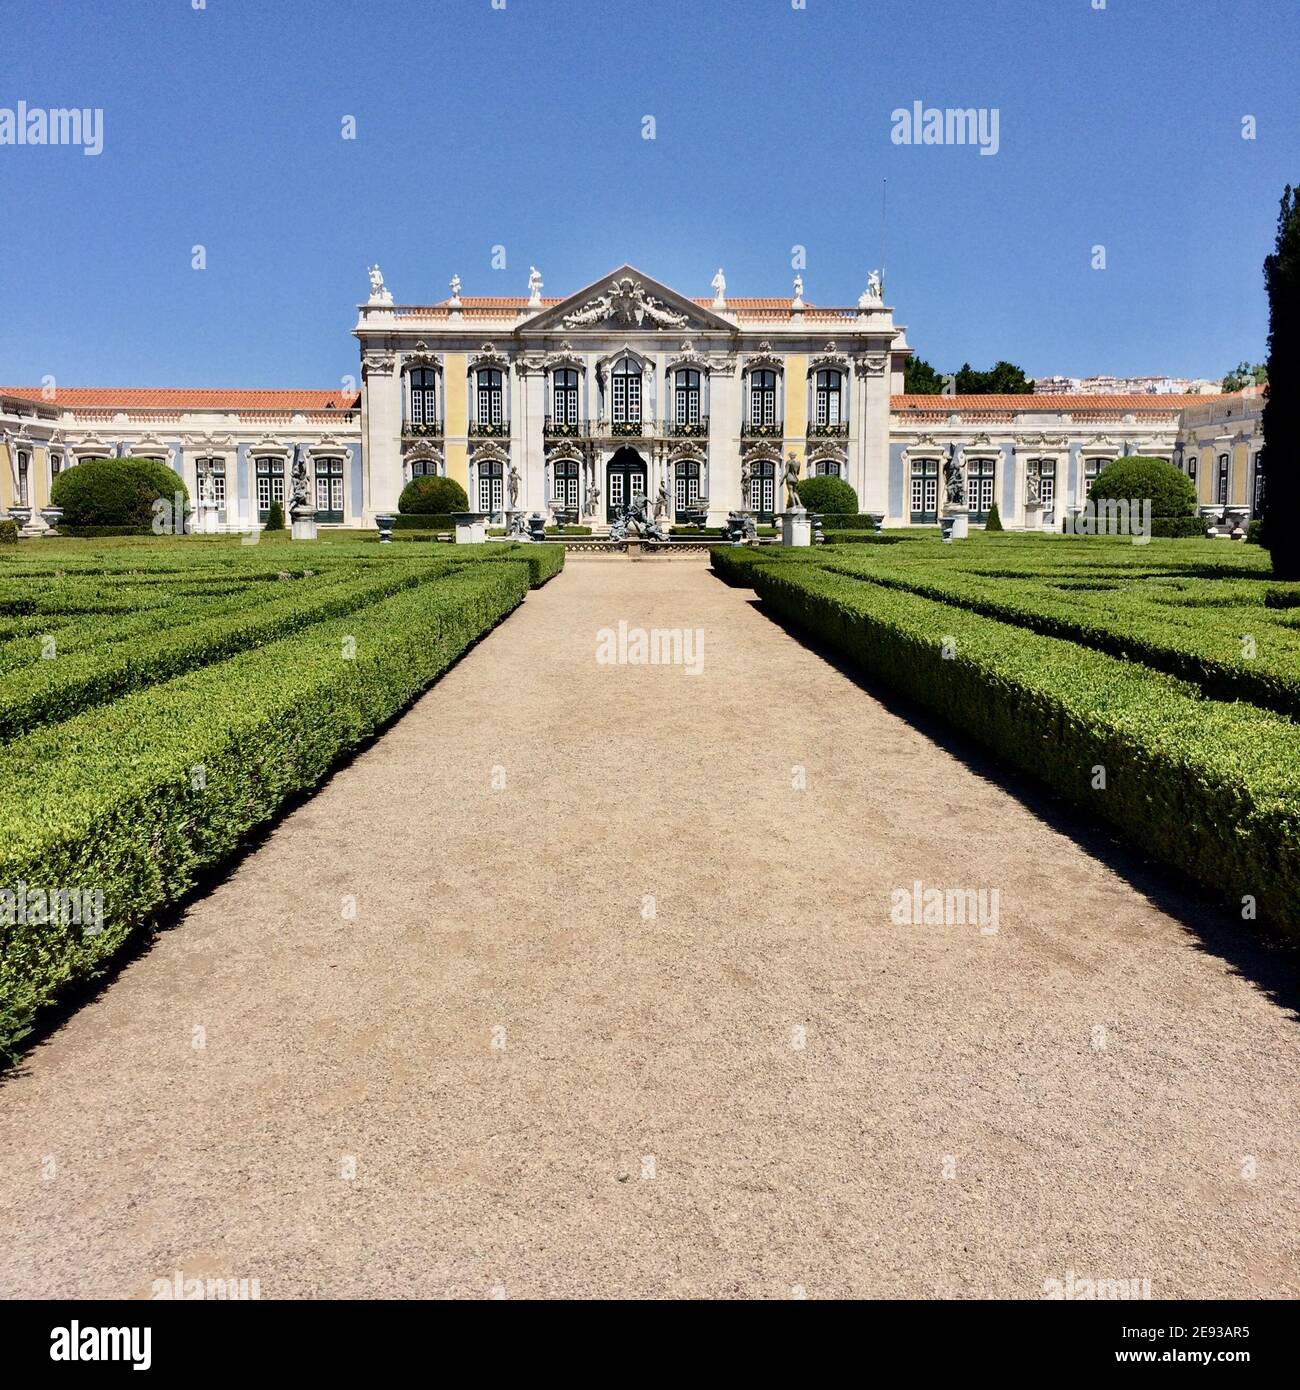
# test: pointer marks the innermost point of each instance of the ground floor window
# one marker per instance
(1221, 483)
(1256, 488)
(270, 485)
(329, 489)
(56, 462)
(424, 468)
(1043, 472)
(24, 471)
(762, 489)
(980, 477)
(686, 485)
(925, 490)
(490, 480)
(626, 479)
(826, 468)
(1091, 467)
(1191, 467)
(566, 484)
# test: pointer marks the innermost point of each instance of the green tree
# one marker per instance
(1136, 478)
(1002, 379)
(921, 379)
(275, 517)
(993, 521)
(1280, 464)
(1244, 374)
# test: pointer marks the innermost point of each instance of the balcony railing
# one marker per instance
(485, 429)
(427, 429)
(750, 430)
(689, 429)
(838, 430)
(565, 429)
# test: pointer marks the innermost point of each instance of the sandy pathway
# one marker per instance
(513, 1072)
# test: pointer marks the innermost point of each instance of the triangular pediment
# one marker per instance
(626, 300)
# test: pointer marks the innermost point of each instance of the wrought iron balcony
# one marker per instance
(838, 430)
(750, 430)
(689, 429)
(485, 429)
(428, 429)
(565, 429)
(634, 428)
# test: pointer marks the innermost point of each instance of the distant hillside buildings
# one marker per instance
(1125, 386)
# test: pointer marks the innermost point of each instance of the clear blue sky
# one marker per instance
(523, 126)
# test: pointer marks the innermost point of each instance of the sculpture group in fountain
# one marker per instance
(634, 522)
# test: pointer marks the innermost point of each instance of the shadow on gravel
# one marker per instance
(1270, 963)
(141, 941)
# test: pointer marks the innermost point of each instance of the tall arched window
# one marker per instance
(566, 483)
(687, 397)
(491, 397)
(424, 396)
(490, 494)
(829, 395)
(625, 393)
(762, 398)
(686, 475)
(24, 479)
(564, 393)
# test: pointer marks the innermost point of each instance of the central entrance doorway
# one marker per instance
(626, 476)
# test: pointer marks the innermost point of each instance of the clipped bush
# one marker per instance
(8, 532)
(115, 492)
(848, 521)
(425, 521)
(827, 495)
(432, 494)
(275, 517)
(1137, 478)
(993, 522)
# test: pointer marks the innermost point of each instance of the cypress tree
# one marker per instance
(1280, 459)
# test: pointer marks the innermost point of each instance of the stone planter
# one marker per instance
(385, 521)
(471, 527)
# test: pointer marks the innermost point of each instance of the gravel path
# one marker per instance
(623, 1012)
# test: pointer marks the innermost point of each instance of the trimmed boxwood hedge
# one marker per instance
(114, 493)
(848, 521)
(108, 800)
(1177, 528)
(1206, 787)
(8, 531)
(424, 521)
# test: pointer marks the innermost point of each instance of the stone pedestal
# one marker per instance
(302, 522)
(1033, 516)
(796, 528)
(209, 518)
(960, 517)
(471, 527)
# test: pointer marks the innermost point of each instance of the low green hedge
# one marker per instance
(109, 801)
(1206, 787)
(848, 521)
(1178, 527)
(90, 533)
(424, 521)
(49, 691)
(8, 531)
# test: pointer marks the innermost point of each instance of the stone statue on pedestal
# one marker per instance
(954, 482)
(514, 486)
(791, 480)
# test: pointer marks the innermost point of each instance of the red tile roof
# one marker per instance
(1075, 404)
(185, 398)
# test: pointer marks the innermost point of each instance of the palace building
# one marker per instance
(572, 406)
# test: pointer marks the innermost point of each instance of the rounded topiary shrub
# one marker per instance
(115, 492)
(1136, 478)
(431, 494)
(275, 517)
(827, 495)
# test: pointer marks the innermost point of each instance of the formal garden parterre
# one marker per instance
(1155, 685)
(160, 699)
